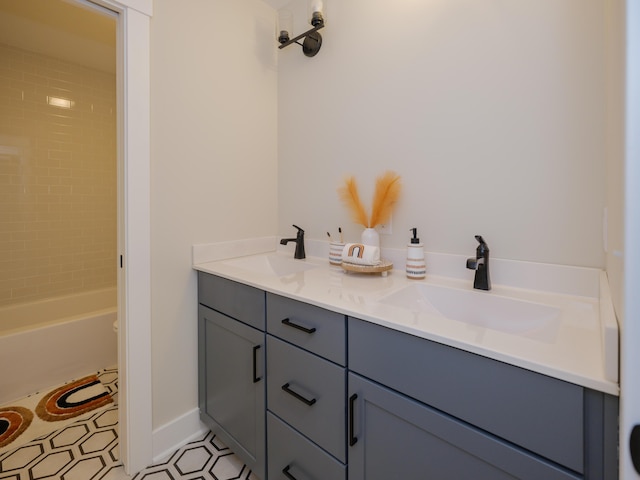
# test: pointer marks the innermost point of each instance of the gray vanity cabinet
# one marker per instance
(332, 396)
(231, 367)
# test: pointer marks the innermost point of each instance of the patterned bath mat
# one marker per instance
(41, 413)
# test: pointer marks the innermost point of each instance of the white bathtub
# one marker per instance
(46, 343)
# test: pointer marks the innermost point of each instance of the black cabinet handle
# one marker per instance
(285, 470)
(352, 401)
(634, 447)
(289, 323)
(256, 379)
(286, 388)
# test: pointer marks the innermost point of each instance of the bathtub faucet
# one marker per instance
(299, 254)
(481, 265)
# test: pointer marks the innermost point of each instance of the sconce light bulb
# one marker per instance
(285, 25)
(316, 6)
(283, 37)
(316, 12)
(316, 19)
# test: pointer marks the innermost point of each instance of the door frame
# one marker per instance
(630, 339)
(134, 230)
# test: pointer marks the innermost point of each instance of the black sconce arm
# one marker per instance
(308, 33)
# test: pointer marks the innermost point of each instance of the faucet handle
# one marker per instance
(300, 233)
(483, 248)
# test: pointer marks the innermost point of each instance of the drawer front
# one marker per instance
(291, 452)
(234, 299)
(539, 413)
(308, 393)
(312, 328)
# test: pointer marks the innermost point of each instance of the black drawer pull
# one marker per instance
(634, 447)
(352, 439)
(289, 323)
(286, 388)
(256, 379)
(285, 470)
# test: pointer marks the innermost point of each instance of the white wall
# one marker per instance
(492, 112)
(213, 164)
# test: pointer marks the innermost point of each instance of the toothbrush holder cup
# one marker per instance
(335, 253)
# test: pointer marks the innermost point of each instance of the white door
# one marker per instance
(630, 339)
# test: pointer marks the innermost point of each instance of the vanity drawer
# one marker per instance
(234, 299)
(308, 393)
(540, 413)
(312, 328)
(287, 448)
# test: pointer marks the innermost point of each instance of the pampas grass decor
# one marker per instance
(350, 197)
(385, 197)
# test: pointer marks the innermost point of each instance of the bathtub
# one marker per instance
(48, 342)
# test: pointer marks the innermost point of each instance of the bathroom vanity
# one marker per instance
(302, 388)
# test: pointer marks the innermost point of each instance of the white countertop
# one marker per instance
(572, 348)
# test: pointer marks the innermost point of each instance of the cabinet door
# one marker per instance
(232, 385)
(392, 436)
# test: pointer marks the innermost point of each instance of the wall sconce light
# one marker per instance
(312, 39)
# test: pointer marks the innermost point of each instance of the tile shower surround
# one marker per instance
(58, 184)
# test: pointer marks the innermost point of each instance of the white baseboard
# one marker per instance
(173, 435)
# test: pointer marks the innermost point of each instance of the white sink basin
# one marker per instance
(475, 307)
(273, 264)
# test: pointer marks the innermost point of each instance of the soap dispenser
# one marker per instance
(416, 266)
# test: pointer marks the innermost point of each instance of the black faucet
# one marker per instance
(481, 265)
(299, 243)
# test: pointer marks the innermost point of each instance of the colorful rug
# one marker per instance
(41, 413)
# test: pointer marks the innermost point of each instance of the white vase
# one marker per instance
(370, 237)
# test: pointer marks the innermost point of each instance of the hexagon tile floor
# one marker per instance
(88, 450)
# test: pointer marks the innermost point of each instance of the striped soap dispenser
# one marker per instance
(416, 266)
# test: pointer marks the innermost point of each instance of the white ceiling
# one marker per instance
(61, 29)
